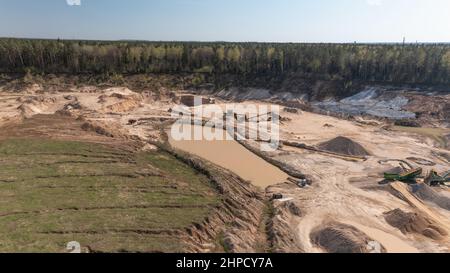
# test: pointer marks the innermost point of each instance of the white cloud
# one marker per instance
(374, 2)
(73, 2)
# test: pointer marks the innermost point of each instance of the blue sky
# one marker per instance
(229, 20)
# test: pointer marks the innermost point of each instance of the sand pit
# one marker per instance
(345, 146)
(330, 199)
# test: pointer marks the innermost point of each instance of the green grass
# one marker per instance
(53, 192)
(437, 134)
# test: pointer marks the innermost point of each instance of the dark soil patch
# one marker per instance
(414, 223)
(341, 238)
(427, 193)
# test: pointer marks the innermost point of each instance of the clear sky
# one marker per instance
(229, 20)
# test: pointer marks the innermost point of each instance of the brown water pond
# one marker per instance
(230, 155)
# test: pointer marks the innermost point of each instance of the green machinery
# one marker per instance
(408, 176)
(434, 179)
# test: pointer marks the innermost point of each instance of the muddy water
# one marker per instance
(230, 155)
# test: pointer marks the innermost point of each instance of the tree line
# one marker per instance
(391, 63)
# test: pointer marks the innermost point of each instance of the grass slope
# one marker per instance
(110, 200)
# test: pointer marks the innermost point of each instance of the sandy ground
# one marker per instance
(333, 196)
(338, 192)
(343, 190)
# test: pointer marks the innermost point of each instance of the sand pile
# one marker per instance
(124, 106)
(415, 223)
(120, 100)
(426, 193)
(32, 105)
(28, 111)
(343, 145)
(341, 238)
(396, 170)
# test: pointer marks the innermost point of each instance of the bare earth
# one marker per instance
(343, 190)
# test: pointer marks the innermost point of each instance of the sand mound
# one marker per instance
(28, 110)
(427, 193)
(118, 92)
(33, 105)
(124, 106)
(343, 145)
(396, 170)
(415, 223)
(120, 100)
(434, 234)
(341, 238)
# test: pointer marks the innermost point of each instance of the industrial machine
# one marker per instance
(408, 176)
(434, 179)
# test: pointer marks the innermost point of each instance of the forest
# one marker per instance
(388, 63)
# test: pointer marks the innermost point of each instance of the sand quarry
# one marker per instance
(344, 208)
